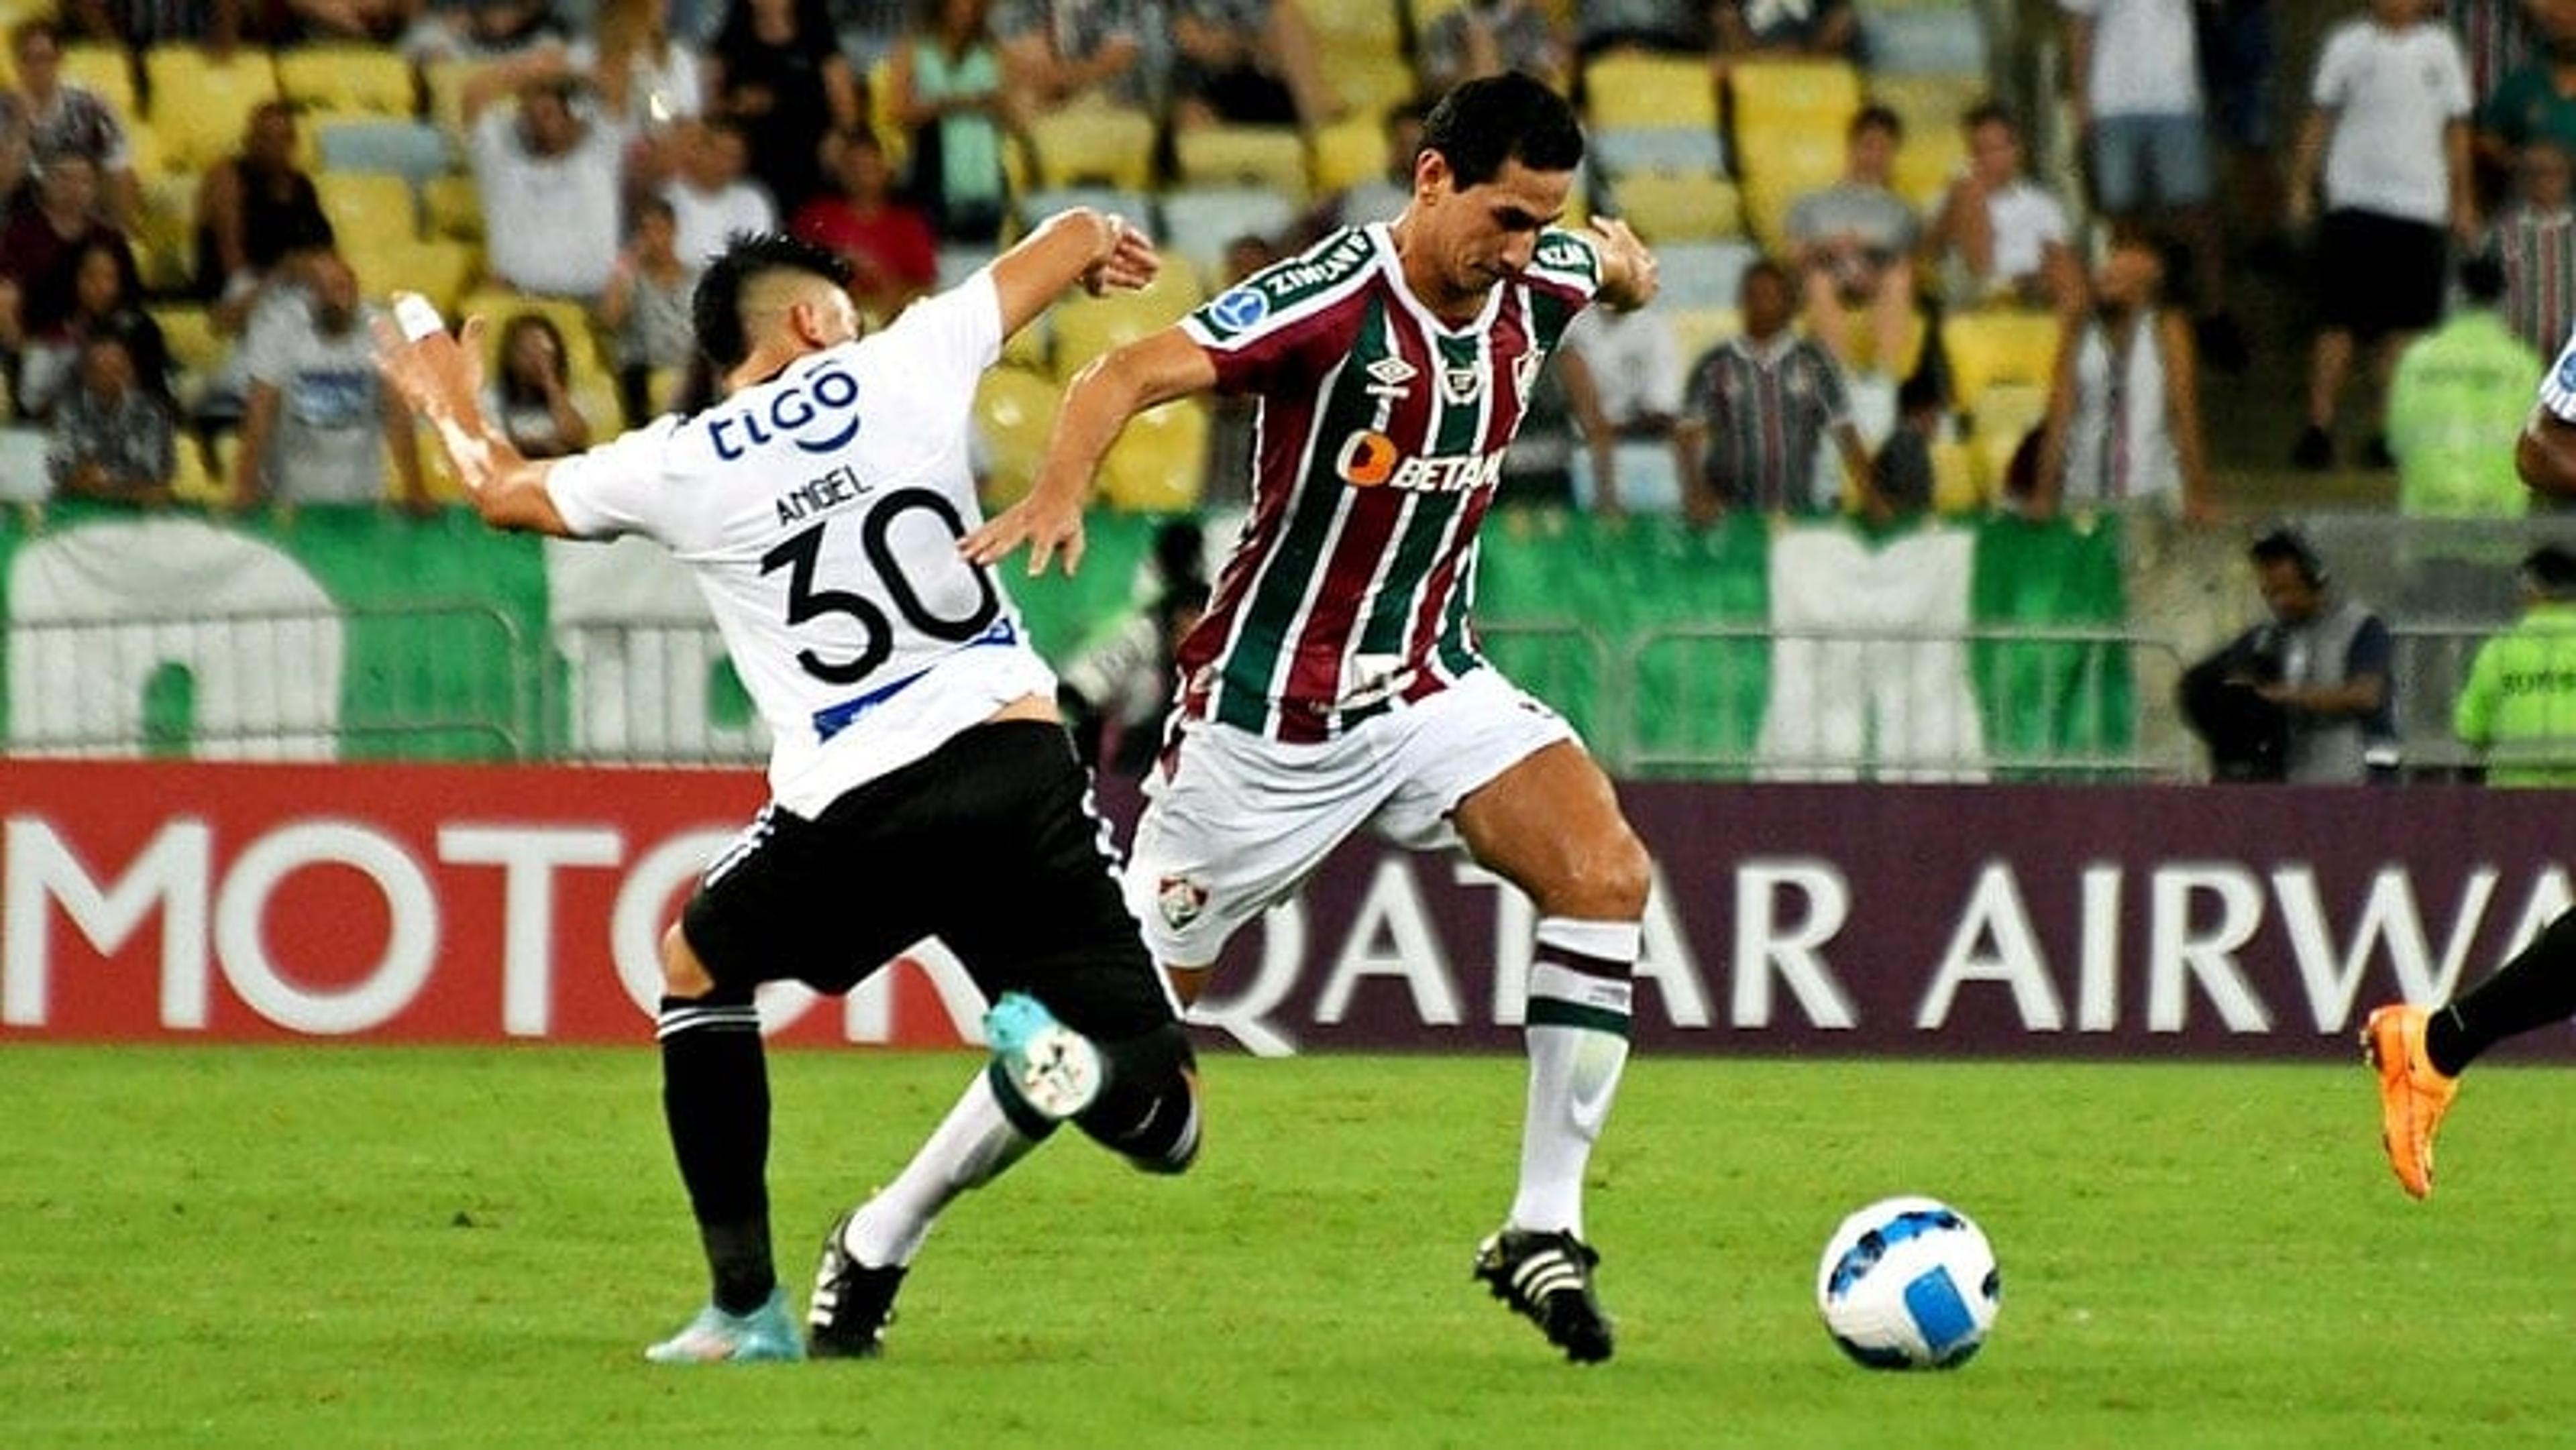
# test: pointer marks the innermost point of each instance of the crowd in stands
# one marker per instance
(1893, 284)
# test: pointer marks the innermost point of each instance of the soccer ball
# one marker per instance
(1908, 1283)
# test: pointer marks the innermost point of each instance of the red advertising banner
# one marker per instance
(480, 904)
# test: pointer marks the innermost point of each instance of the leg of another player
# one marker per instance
(2420, 1052)
(715, 1101)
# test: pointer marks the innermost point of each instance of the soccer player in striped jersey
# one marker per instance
(1334, 682)
(920, 784)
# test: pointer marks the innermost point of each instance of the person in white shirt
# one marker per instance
(1627, 407)
(317, 423)
(1999, 236)
(921, 783)
(549, 177)
(2388, 128)
(710, 198)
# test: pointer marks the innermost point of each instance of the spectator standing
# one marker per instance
(256, 205)
(320, 421)
(549, 178)
(1629, 407)
(40, 245)
(1756, 408)
(481, 31)
(113, 438)
(1056, 53)
(2331, 659)
(46, 118)
(710, 193)
(1488, 37)
(103, 295)
(2000, 236)
(646, 308)
(2388, 126)
(2535, 241)
(2124, 409)
(1247, 63)
(1854, 242)
(646, 81)
(893, 256)
(2134, 94)
(530, 397)
(2518, 706)
(777, 69)
(948, 96)
(2454, 404)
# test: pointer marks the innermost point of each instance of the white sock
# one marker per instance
(1577, 1037)
(971, 1147)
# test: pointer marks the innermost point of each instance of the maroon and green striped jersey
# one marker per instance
(1379, 438)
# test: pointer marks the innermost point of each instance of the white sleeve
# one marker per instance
(2457, 101)
(620, 487)
(954, 335)
(2558, 385)
(2334, 80)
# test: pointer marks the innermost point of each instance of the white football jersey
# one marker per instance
(821, 512)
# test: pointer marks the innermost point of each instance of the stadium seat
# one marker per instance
(1014, 409)
(23, 478)
(1369, 83)
(165, 236)
(194, 481)
(1348, 28)
(1957, 486)
(1666, 207)
(439, 268)
(414, 150)
(1343, 153)
(1703, 273)
(442, 84)
(1198, 222)
(1927, 163)
(1924, 39)
(1863, 337)
(1697, 329)
(109, 71)
(188, 332)
(368, 206)
(1630, 89)
(1095, 146)
(495, 305)
(1986, 348)
(450, 206)
(349, 80)
(200, 103)
(1679, 150)
(2005, 414)
(1159, 461)
(1801, 95)
(1273, 157)
(1086, 327)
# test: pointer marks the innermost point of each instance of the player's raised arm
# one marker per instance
(1109, 390)
(1096, 249)
(440, 377)
(1628, 276)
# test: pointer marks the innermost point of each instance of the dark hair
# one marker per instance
(509, 384)
(2482, 277)
(1485, 122)
(1989, 113)
(2551, 570)
(654, 203)
(715, 310)
(1762, 267)
(2284, 546)
(1877, 117)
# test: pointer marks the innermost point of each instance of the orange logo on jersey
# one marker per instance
(1367, 459)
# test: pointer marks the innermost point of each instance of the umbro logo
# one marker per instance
(1392, 371)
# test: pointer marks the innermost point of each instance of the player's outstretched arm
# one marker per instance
(441, 378)
(1078, 245)
(1628, 276)
(1109, 390)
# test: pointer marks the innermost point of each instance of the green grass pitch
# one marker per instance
(411, 1247)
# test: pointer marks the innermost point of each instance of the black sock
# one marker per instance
(2534, 989)
(1147, 1111)
(715, 1100)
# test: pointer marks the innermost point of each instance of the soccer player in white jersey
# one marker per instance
(2420, 1051)
(1334, 682)
(920, 784)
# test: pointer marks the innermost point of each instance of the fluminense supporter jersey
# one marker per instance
(821, 512)
(1380, 438)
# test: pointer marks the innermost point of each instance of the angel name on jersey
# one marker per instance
(827, 490)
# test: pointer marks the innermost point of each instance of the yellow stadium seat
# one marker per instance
(442, 84)
(188, 332)
(165, 237)
(1094, 144)
(1805, 94)
(496, 305)
(1370, 83)
(1014, 409)
(1159, 461)
(368, 207)
(1863, 336)
(1665, 207)
(1987, 348)
(1926, 165)
(1348, 28)
(1957, 487)
(1272, 157)
(348, 80)
(440, 269)
(200, 103)
(1633, 88)
(452, 207)
(1929, 103)
(1087, 327)
(1697, 329)
(194, 481)
(1347, 152)
(106, 69)
(2005, 414)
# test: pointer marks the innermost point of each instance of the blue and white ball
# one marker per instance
(1909, 1283)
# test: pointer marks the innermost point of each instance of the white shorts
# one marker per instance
(1236, 822)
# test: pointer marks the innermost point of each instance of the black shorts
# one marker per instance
(989, 843)
(2379, 274)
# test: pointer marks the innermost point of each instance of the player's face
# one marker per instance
(2286, 591)
(1486, 233)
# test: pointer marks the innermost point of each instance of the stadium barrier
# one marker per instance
(181, 902)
